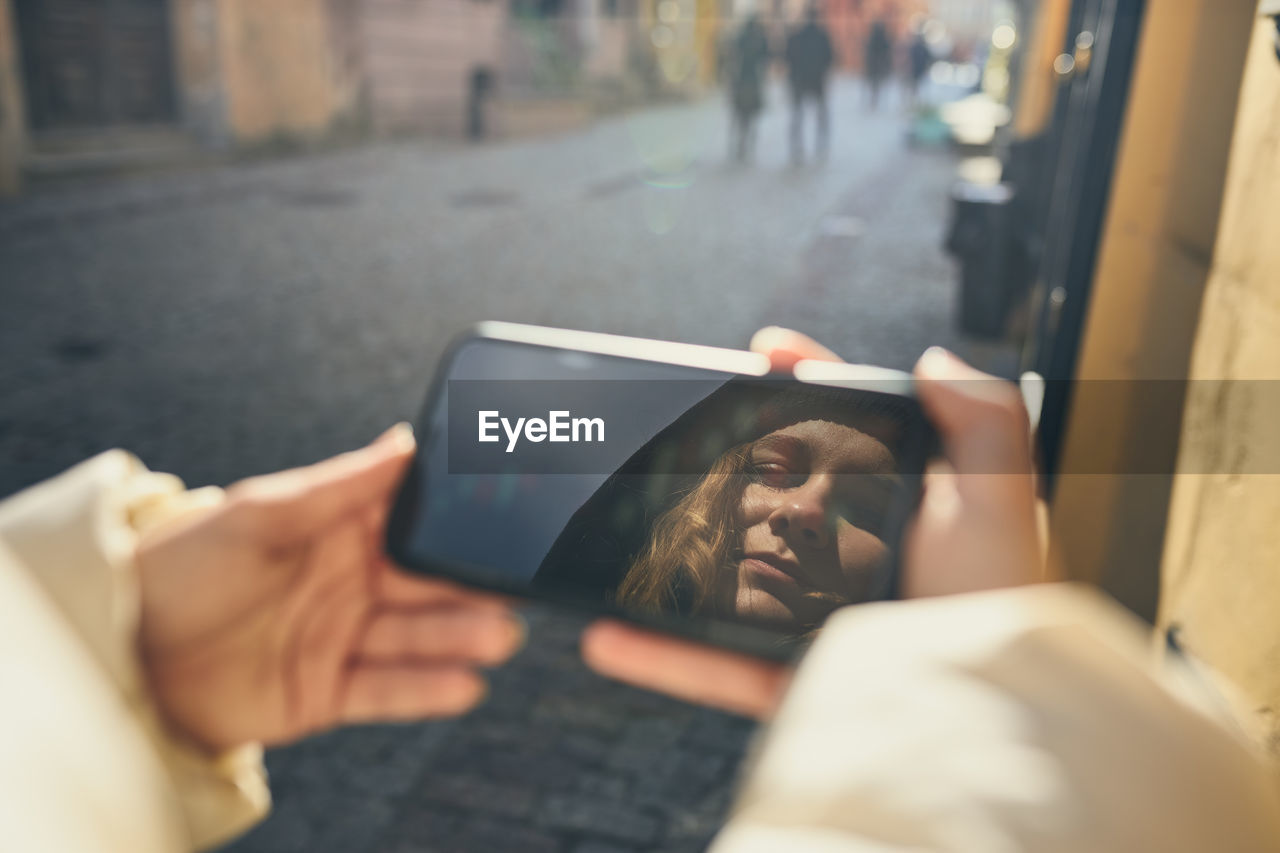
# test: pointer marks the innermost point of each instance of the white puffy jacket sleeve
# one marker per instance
(85, 764)
(1021, 721)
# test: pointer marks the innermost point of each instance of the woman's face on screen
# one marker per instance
(811, 516)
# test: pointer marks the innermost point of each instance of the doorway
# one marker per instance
(96, 63)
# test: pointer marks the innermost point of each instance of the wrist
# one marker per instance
(161, 552)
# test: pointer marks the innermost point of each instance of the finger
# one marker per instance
(304, 500)
(376, 517)
(1000, 541)
(785, 347)
(940, 493)
(377, 692)
(685, 670)
(481, 635)
(397, 587)
(981, 420)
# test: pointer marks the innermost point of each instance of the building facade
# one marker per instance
(97, 77)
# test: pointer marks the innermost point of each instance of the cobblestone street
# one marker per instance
(245, 318)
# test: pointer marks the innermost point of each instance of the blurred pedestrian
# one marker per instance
(479, 93)
(809, 58)
(747, 61)
(877, 59)
(919, 61)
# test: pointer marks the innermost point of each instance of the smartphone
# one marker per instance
(679, 487)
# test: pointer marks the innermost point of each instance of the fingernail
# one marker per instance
(765, 337)
(936, 363)
(400, 436)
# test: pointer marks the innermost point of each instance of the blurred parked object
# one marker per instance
(987, 236)
(975, 119)
(938, 107)
(978, 239)
(977, 116)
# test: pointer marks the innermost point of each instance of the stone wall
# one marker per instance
(278, 68)
(1153, 264)
(1221, 572)
(417, 59)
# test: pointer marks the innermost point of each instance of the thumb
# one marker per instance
(301, 501)
(981, 419)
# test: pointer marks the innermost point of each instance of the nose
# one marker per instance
(801, 518)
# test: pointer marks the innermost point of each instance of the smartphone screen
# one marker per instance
(740, 510)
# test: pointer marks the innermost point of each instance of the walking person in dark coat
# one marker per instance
(809, 59)
(747, 61)
(877, 59)
(921, 60)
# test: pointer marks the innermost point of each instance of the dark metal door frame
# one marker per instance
(1088, 119)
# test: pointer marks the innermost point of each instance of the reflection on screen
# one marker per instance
(759, 502)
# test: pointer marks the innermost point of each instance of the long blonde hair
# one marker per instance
(691, 545)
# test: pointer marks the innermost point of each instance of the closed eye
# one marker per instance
(776, 475)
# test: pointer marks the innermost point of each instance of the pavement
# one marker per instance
(239, 319)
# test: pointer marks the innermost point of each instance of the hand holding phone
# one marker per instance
(272, 614)
(964, 539)
(679, 487)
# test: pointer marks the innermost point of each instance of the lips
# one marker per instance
(773, 566)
